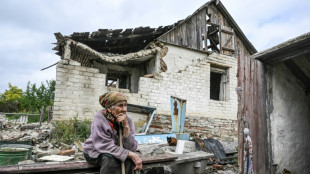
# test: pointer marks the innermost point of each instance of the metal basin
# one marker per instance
(11, 156)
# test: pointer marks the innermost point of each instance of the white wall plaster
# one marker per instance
(178, 58)
(290, 122)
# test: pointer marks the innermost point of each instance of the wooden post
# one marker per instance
(41, 116)
(50, 113)
(121, 145)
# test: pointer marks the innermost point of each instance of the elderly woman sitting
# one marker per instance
(103, 147)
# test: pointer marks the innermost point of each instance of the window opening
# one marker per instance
(215, 86)
(118, 79)
(213, 39)
(218, 84)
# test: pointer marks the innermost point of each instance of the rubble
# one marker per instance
(45, 150)
(225, 169)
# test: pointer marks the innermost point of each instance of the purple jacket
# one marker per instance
(103, 139)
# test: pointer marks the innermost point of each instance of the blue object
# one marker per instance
(178, 110)
(153, 138)
(182, 136)
(149, 123)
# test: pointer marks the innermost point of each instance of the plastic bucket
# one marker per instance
(11, 156)
(20, 146)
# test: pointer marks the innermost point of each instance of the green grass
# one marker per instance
(68, 131)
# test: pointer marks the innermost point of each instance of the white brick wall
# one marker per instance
(78, 88)
(77, 91)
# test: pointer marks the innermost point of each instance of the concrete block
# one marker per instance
(75, 63)
(180, 147)
(88, 74)
(92, 70)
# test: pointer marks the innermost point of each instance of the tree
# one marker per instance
(28, 101)
(34, 98)
(10, 99)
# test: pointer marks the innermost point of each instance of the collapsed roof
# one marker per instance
(88, 47)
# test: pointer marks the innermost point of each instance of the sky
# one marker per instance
(27, 27)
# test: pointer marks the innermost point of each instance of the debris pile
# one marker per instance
(43, 149)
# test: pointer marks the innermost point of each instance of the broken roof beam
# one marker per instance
(141, 35)
(142, 30)
(159, 29)
(116, 32)
(88, 54)
(80, 35)
(101, 33)
(128, 31)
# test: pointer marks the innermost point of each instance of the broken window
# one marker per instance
(219, 38)
(118, 79)
(219, 83)
(213, 41)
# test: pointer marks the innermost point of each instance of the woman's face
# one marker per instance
(119, 108)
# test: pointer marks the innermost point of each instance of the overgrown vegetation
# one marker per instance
(14, 100)
(68, 131)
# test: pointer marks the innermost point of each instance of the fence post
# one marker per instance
(50, 113)
(41, 116)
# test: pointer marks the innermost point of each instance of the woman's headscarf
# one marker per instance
(110, 98)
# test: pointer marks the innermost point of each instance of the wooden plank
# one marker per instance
(193, 33)
(227, 40)
(75, 165)
(198, 32)
(158, 158)
(251, 111)
(188, 33)
(180, 35)
(43, 167)
(239, 114)
(172, 36)
(175, 36)
(227, 32)
(41, 116)
(184, 34)
(204, 27)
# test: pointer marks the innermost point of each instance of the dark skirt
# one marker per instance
(110, 165)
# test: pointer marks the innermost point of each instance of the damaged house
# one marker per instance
(194, 60)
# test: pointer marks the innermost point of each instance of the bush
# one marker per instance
(68, 131)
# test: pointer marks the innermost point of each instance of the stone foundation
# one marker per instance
(206, 127)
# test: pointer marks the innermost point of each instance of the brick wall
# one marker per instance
(193, 85)
(78, 89)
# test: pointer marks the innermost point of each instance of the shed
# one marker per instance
(274, 103)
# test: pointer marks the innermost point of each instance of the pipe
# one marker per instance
(149, 123)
